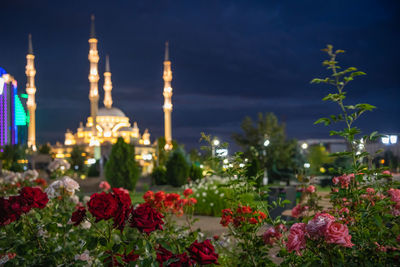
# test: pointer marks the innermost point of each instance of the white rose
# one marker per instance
(85, 225)
(86, 199)
(74, 199)
(69, 184)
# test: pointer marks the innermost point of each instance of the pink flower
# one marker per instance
(273, 233)
(317, 226)
(370, 190)
(105, 186)
(297, 239)
(344, 210)
(310, 189)
(387, 172)
(395, 196)
(337, 233)
(335, 180)
(335, 190)
(298, 210)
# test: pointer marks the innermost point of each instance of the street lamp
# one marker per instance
(265, 144)
(214, 143)
(304, 146)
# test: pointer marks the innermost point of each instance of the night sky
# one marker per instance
(229, 59)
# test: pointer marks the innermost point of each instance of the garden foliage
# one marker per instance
(121, 169)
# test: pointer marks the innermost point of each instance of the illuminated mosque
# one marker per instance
(106, 124)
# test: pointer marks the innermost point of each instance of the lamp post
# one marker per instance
(214, 143)
(265, 144)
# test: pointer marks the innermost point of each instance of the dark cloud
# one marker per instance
(230, 59)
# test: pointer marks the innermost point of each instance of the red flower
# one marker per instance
(159, 196)
(337, 233)
(179, 260)
(102, 206)
(317, 226)
(298, 210)
(40, 181)
(131, 257)
(10, 210)
(271, 235)
(34, 197)
(192, 201)
(244, 210)
(78, 215)
(187, 192)
(146, 219)
(148, 196)
(124, 207)
(226, 217)
(297, 239)
(203, 253)
(253, 221)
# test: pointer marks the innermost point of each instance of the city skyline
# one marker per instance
(221, 74)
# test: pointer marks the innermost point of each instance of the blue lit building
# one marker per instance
(13, 116)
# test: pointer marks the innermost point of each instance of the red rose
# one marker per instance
(337, 233)
(203, 253)
(34, 197)
(226, 217)
(102, 206)
(148, 196)
(131, 257)
(146, 219)
(178, 260)
(317, 226)
(187, 192)
(159, 196)
(124, 207)
(78, 215)
(296, 239)
(8, 214)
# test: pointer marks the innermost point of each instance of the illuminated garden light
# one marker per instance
(304, 146)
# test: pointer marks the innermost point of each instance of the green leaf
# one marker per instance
(357, 73)
(326, 121)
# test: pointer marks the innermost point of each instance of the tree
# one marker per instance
(159, 175)
(121, 169)
(281, 157)
(77, 159)
(12, 156)
(318, 157)
(44, 149)
(177, 168)
(161, 153)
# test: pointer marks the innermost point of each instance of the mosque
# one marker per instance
(106, 124)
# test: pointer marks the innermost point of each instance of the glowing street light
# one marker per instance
(304, 146)
(307, 165)
(266, 142)
(214, 143)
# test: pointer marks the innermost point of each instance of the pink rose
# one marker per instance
(310, 189)
(395, 196)
(387, 172)
(298, 210)
(370, 190)
(105, 186)
(335, 180)
(337, 233)
(297, 239)
(317, 226)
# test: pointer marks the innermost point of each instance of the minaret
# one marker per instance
(93, 76)
(30, 72)
(167, 76)
(107, 85)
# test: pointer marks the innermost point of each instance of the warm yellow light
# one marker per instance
(322, 170)
(83, 154)
(59, 155)
(382, 161)
(67, 155)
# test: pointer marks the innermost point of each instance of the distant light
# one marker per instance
(307, 165)
(147, 156)
(216, 142)
(221, 152)
(24, 95)
(385, 140)
(62, 168)
(201, 166)
(393, 139)
(322, 170)
(241, 165)
(91, 161)
(266, 143)
(246, 160)
(304, 146)
(382, 161)
(1, 85)
(226, 161)
(76, 167)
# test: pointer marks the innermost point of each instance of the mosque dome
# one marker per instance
(111, 112)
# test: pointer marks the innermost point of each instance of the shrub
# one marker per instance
(93, 170)
(177, 169)
(196, 172)
(159, 175)
(121, 169)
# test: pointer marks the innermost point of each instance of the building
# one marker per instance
(106, 124)
(13, 117)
